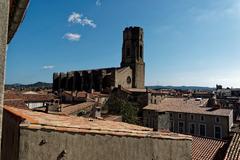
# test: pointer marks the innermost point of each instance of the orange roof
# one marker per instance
(205, 148)
(38, 120)
(233, 152)
(16, 103)
(70, 109)
(10, 95)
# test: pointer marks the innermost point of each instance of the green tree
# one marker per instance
(126, 109)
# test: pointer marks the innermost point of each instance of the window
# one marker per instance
(171, 115)
(192, 128)
(202, 130)
(180, 127)
(155, 101)
(129, 80)
(202, 118)
(217, 119)
(171, 126)
(128, 52)
(179, 115)
(191, 117)
(217, 132)
(141, 52)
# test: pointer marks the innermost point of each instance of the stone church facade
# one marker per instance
(131, 73)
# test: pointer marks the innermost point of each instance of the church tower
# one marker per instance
(133, 54)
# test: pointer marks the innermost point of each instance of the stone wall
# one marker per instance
(10, 136)
(4, 13)
(71, 146)
(123, 77)
(86, 80)
(157, 120)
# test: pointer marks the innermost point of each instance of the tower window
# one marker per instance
(128, 52)
(129, 80)
(141, 52)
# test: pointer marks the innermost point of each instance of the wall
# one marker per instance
(121, 76)
(4, 13)
(98, 147)
(163, 121)
(10, 137)
(151, 117)
(209, 121)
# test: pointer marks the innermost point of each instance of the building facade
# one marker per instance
(189, 117)
(131, 74)
(32, 135)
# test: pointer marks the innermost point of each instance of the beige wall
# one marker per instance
(151, 117)
(22, 143)
(4, 13)
(99, 147)
(121, 77)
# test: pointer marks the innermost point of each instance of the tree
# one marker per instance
(126, 109)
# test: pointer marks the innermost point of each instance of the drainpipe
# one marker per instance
(4, 16)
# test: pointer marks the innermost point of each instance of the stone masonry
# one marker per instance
(4, 13)
(131, 74)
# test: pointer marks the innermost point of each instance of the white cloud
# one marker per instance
(48, 67)
(77, 18)
(72, 36)
(98, 3)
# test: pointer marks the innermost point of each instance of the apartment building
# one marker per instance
(189, 116)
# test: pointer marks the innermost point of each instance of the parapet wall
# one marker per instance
(29, 135)
(70, 146)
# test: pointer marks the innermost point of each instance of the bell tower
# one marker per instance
(133, 54)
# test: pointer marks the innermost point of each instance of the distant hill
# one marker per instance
(29, 86)
(181, 88)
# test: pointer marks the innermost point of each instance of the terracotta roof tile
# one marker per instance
(27, 97)
(71, 109)
(38, 120)
(233, 152)
(207, 149)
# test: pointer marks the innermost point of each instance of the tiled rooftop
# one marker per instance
(233, 152)
(38, 120)
(16, 103)
(84, 94)
(207, 149)
(70, 109)
(10, 95)
(187, 106)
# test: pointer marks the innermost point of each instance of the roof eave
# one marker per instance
(17, 17)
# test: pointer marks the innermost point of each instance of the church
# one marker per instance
(130, 74)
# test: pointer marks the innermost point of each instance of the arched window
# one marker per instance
(141, 52)
(128, 52)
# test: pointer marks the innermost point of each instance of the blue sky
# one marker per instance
(187, 42)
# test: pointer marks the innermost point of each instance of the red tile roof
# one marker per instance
(233, 152)
(16, 103)
(207, 149)
(38, 120)
(71, 109)
(27, 97)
